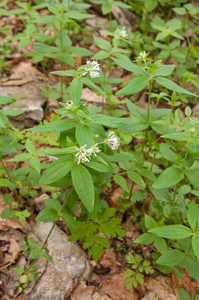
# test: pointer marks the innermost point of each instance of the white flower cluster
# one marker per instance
(83, 154)
(71, 106)
(92, 69)
(122, 33)
(113, 141)
(192, 130)
(142, 55)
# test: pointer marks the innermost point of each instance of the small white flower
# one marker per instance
(71, 106)
(142, 55)
(192, 130)
(122, 33)
(93, 69)
(83, 154)
(113, 141)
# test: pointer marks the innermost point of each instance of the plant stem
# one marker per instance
(61, 38)
(131, 191)
(46, 84)
(110, 19)
(103, 98)
(149, 100)
(5, 168)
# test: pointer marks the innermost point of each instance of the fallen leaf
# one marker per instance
(161, 287)
(84, 292)
(26, 68)
(16, 82)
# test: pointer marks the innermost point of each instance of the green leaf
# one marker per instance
(34, 254)
(172, 231)
(23, 42)
(137, 111)
(5, 99)
(193, 177)
(60, 125)
(32, 276)
(35, 163)
(102, 43)
(47, 256)
(83, 185)
(180, 274)
(18, 270)
(6, 213)
(171, 258)
(84, 135)
(129, 66)
(176, 136)
(182, 293)
(193, 215)
(146, 173)
(65, 73)
(164, 70)
(76, 88)
(110, 121)
(145, 239)
(33, 243)
(21, 157)
(7, 183)
(121, 181)
(173, 86)
(47, 215)
(45, 19)
(192, 266)
(168, 153)
(136, 178)
(160, 244)
(106, 8)
(54, 204)
(134, 86)
(92, 86)
(70, 222)
(56, 170)
(195, 245)
(29, 146)
(168, 178)
(101, 55)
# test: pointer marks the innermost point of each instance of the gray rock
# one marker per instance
(69, 265)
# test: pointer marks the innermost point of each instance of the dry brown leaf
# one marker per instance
(116, 289)
(89, 95)
(14, 249)
(16, 82)
(161, 287)
(188, 283)
(84, 292)
(26, 68)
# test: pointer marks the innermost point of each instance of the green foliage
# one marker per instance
(135, 274)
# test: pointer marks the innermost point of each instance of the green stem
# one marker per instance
(5, 168)
(149, 100)
(174, 197)
(131, 191)
(187, 36)
(106, 68)
(46, 84)
(110, 19)
(62, 64)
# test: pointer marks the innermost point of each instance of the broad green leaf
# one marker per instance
(101, 55)
(111, 121)
(193, 177)
(99, 167)
(164, 70)
(7, 183)
(54, 204)
(76, 88)
(176, 136)
(182, 293)
(145, 239)
(134, 86)
(83, 185)
(195, 245)
(56, 170)
(70, 222)
(60, 125)
(93, 86)
(168, 153)
(146, 173)
(171, 258)
(180, 274)
(6, 213)
(45, 19)
(23, 42)
(129, 66)
(34, 254)
(18, 270)
(173, 86)
(193, 215)
(12, 112)
(35, 163)
(32, 276)
(136, 178)
(172, 231)
(137, 111)
(84, 135)
(160, 244)
(161, 195)
(29, 146)
(102, 43)
(121, 181)
(192, 266)
(47, 215)
(65, 73)
(44, 49)
(5, 99)
(135, 126)
(159, 113)
(168, 178)
(106, 8)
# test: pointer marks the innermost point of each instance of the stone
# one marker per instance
(69, 265)
(150, 296)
